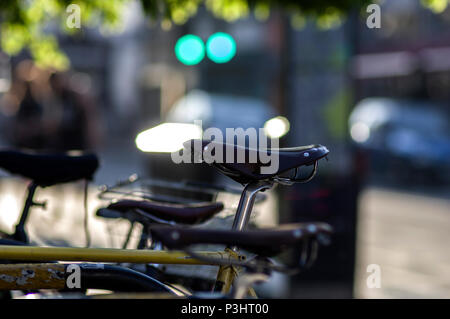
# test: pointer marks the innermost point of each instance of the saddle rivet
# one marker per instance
(175, 235)
(306, 154)
(312, 228)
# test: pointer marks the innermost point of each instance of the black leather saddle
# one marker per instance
(185, 214)
(49, 169)
(264, 242)
(246, 165)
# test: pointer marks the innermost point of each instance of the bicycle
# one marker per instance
(45, 170)
(308, 236)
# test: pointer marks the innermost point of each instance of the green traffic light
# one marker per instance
(221, 47)
(190, 49)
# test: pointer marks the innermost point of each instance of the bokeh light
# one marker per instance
(167, 137)
(221, 47)
(190, 49)
(277, 127)
(360, 132)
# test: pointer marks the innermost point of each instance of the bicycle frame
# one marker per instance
(226, 273)
(30, 276)
(110, 255)
(20, 233)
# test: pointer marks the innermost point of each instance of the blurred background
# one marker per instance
(378, 98)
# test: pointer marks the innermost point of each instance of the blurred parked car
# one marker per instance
(214, 111)
(406, 139)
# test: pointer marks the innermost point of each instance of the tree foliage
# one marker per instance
(23, 23)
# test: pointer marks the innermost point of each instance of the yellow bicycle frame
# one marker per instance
(225, 277)
(226, 273)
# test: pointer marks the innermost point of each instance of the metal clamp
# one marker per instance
(293, 179)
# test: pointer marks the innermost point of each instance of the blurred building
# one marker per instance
(407, 57)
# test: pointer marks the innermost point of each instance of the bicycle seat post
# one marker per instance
(246, 202)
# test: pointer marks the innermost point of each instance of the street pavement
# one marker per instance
(408, 235)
